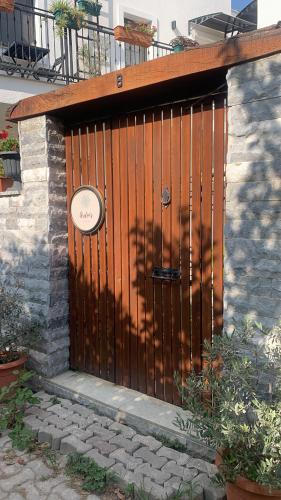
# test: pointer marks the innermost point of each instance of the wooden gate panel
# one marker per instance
(126, 326)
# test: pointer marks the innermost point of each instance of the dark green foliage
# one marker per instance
(170, 443)
(94, 477)
(235, 403)
(13, 402)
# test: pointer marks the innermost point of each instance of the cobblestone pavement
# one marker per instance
(25, 476)
(134, 458)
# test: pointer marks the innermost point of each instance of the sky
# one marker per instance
(239, 4)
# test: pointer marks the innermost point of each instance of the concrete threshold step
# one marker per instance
(149, 416)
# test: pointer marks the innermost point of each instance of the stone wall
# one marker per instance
(253, 198)
(33, 238)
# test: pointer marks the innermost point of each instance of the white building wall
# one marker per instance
(269, 12)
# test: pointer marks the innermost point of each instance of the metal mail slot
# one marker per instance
(166, 273)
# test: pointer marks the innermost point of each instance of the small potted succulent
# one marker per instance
(90, 7)
(18, 333)
(181, 43)
(9, 160)
(235, 407)
(66, 16)
(140, 34)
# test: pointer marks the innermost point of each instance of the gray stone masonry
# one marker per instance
(33, 239)
(252, 276)
(133, 458)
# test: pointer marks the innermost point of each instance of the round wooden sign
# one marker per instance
(87, 209)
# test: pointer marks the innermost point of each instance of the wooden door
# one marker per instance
(126, 325)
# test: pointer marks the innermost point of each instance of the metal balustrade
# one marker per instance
(31, 47)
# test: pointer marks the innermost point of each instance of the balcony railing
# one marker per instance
(31, 48)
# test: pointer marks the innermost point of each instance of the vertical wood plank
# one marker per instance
(196, 237)
(166, 259)
(140, 271)
(102, 257)
(149, 253)
(133, 262)
(206, 223)
(117, 250)
(157, 250)
(175, 242)
(94, 351)
(71, 248)
(125, 251)
(110, 217)
(185, 242)
(218, 216)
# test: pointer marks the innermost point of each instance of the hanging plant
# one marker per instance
(181, 43)
(90, 7)
(66, 16)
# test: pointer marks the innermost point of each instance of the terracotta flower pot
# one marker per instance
(7, 6)
(244, 489)
(6, 371)
(5, 183)
(133, 37)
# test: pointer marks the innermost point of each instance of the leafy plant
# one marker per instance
(148, 29)
(170, 443)
(18, 331)
(93, 476)
(235, 402)
(66, 16)
(22, 438)
(184, 41)
(14, 399)
(8, 143)
(92, 57)
(187, 489)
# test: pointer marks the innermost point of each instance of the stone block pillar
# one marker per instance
(253, 197)
(33, 241)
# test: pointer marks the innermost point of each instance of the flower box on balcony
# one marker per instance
(7, 6)
(132, 36)
(90, 7)
(5, 183)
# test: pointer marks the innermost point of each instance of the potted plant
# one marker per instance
(66, 16)
(18, 333)
(181, 43)
(140, 34)
(235, 405)
(90, 7)
(10, 160)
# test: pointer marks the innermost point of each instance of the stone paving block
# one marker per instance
(211, 491)
(22, 477)
(71, 444)
(37, 412)
(39, 468)
(43, 396)
(15, 496)
(4, 442)
(156, 490)
(155, 474)
(148, 441)
(100, 459)
(83, 435)
(45, 404)
(102, 446)
(33, 424)
(44, 435)
(104, 421)
(122, 456)
(65, 493)
(66, 403)
(118, 470)
(127, 432)
(80, 421)
(174, 469)
(150, 457)
(174, 482)
(82, 410)
(202, 466)
(61, 423)
(127, 444)
(100, 431)
(60, 411)
(134, 478)
(180, 458)
(45, 487)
